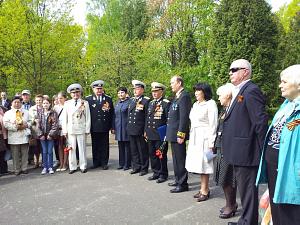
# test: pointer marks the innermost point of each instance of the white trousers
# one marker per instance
(80, 140)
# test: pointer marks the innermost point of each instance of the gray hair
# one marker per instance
(225, 89)
(292, 74)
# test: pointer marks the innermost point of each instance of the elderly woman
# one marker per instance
(16, 122)
(280, 161)
(204, 119)
(223, 172)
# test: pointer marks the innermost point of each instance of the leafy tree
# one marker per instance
(40, 48)
(245, 29)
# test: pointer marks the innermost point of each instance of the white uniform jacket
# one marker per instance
(76, 119)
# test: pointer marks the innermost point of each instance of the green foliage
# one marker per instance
(40, 49)
(287, 13)
(245, 29)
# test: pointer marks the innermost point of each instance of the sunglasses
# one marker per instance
(233, 70)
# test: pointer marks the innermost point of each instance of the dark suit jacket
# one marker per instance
(121, 120)
(178, 117)
(157, 116)
(102, 114)
(7, 104)
(136, 115)
(245, 127)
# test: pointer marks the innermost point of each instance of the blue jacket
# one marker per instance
(121, 120)
(287, 187)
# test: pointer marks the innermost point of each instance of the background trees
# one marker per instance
(42, 49)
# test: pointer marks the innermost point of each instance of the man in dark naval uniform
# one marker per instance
(156, 118)
(136, 124)
(177, 133)
(102, 112)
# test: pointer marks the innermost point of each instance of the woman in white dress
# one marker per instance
(204, 119)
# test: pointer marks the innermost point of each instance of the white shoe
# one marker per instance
(51, 171)
(44, 171)
(58, 169)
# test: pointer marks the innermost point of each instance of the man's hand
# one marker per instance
(180, 140)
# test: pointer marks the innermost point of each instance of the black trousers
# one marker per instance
(139, 153)
(158, 166)
(245, 177)
(3, 163)
(100, 148)
(282, 214)
(124, 154)
(179, 156)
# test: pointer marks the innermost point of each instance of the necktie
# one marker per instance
(76, 102)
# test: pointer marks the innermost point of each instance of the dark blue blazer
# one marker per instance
(245, 127)
(178, 117)
(121, 120)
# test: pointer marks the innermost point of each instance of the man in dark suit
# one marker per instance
(4, 101)
(245, 126)
(121, 121)
(157, 117)
(137, 110)
(102, 113)
(177, 133)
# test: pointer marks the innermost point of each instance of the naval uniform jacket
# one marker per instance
(136, 115)
(102, 113)
(178, 117)
(157, 116)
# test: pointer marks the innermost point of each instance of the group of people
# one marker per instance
(234, 145)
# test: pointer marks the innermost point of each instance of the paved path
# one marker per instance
(103, 197)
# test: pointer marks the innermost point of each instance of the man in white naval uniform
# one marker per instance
(76, 125)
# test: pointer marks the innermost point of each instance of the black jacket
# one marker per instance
(102, 113)
(157, 116)
(245, 127)
(136, 115)
(178, 117)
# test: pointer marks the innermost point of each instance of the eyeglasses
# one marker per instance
(233, 70)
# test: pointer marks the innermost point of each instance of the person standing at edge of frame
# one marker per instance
(102, 114)
(156, 117)
(136, 125)
(177, 133)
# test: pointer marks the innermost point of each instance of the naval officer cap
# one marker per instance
(157, 86)
(137, 83)
(74, 88)
(97, 84)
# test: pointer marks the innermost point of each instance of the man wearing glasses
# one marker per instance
(245, 126)
(75, 126)
(102, 113)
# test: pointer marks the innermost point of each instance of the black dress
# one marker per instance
(223, 171)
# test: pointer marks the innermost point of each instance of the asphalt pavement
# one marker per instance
(104, 197)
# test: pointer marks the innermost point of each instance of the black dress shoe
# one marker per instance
(84, 171)
(72, 171)
(172, 184)
(153, 177)
(143, 173)
(232, 223)
(126, 168)
(161, 180)
(179, 189)
(24, 171)
(134, 171)
(105, 167)
(120, 167)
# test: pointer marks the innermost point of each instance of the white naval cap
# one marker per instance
(74, 88)
(137, 83)
(97, 83)
(157, 86)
